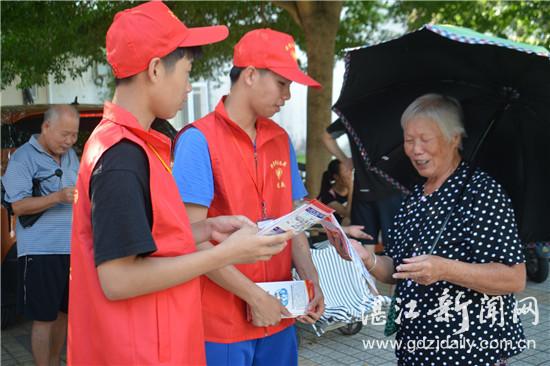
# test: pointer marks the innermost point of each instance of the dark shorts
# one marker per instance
(43, 288)
(376, 216)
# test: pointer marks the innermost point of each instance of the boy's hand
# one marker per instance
(223, 226)
(245, 246)
(267, 310)
(315, 309)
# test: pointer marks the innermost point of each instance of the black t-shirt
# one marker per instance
(331, 196)
(122, 215)
(368, 186)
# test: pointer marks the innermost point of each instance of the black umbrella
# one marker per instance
(503, 86)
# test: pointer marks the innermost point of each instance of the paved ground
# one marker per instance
(333, 348)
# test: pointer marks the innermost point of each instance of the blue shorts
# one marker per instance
(278, 349)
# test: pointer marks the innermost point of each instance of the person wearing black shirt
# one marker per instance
(335, 189)
(375, 201)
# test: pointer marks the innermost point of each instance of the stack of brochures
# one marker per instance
(314, 212)
(293, 295)
(298, 220)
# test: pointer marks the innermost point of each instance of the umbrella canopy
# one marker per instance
(503, 86)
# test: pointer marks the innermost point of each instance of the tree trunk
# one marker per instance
(319, 20)
(320, 30)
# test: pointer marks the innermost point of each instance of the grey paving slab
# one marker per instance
(342, 357)
(374, 361)
(320, 358)
(538, 358)
(305, 362)
(360, 363)
(334, 348)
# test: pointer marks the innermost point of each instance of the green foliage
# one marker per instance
(64, 38)
(52, 38)
(523, 21)
(240, 17)
(59, 38)
(360, 25)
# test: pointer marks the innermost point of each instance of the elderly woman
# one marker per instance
(455, 300)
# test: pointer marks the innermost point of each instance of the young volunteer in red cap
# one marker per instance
(242, 162)
(134, 295)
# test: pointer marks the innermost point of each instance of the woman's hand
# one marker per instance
(488, 278)
(422, 269)
(356, 231)
(364, 254)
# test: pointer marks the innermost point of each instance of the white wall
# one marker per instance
(13, 96)
(90, 88)
(83, 87)
(292, 117)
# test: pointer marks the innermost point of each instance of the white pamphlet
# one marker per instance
(298, 220)
(293, 295)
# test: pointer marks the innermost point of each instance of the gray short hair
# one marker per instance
(443, 110)
(55, 111)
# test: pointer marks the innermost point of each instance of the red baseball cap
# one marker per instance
(272, 50)
(151, 30)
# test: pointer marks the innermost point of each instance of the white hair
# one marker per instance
(445, 111)
(55, 111)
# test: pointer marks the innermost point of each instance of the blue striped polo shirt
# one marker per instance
(51, 234)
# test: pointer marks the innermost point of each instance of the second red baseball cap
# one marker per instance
(151, 30)
(272, 50)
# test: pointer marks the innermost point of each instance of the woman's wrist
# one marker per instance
(373, 264)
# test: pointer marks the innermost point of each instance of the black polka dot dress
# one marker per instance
(446, 324)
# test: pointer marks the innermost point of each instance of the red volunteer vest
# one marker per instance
(255, 184)
(162, 328)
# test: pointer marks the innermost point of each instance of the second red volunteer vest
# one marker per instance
(254, 182)
(162, 328)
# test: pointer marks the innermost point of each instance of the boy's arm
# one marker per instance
(265, 309)
(121, 217)
(301, 257)
(218, 228)
(133, 276)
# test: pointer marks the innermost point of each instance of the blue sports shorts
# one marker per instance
(278, 349)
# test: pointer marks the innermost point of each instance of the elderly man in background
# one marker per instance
(43, 247)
